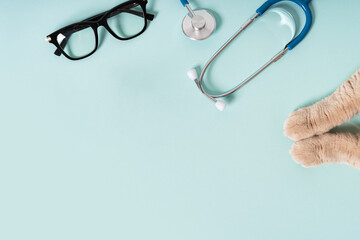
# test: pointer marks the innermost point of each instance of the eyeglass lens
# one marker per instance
(77, 41)
(128, 22)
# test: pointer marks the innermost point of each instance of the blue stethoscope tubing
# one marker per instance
(184, 2)
(304, 4)
(220, 105)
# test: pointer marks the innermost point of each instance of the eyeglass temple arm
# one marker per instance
(62, 45)
(64, 41)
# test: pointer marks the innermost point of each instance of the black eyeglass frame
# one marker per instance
(101, 20)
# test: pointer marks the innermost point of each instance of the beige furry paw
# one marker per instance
(298, 126)
(307, 152)
(330, 112)
(327, 148)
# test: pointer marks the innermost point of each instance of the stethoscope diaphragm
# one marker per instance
(200, 26)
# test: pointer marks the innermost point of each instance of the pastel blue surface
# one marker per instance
(122, 145)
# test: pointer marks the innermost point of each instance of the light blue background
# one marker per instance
(123, 146)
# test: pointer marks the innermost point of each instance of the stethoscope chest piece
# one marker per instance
(200, 26)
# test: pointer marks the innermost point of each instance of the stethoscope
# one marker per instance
(198, 24)
(220, 105)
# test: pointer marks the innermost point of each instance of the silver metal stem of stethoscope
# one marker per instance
(190, 10)
(272, 60)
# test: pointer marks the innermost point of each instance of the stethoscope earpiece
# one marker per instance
(192, 74)
(220, 105)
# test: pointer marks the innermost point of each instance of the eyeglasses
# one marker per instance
(79, 40)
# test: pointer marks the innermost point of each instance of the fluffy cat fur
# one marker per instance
(308, 127)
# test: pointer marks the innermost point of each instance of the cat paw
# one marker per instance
(298, 126)
(307, 152)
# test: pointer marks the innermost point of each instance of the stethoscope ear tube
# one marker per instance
(220, 105)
